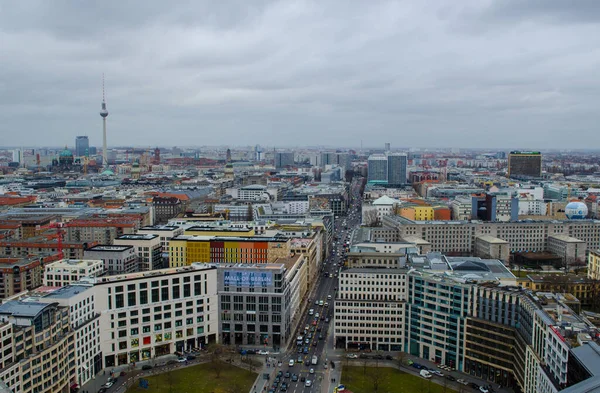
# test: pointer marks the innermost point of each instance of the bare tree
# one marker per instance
(216, 352)
(401, 357)
(171, 380)
(376, 375)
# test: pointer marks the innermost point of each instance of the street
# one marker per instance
(316, 327)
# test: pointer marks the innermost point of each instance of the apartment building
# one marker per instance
(21, 274)
(594, 264)
(84, 320)
(148, 247)
(186, 249)
(117, 259)
(38, 347)
(149, 314)
(254, 304)
(164, 232)
(68, 271)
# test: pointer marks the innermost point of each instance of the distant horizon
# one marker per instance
(267, 149)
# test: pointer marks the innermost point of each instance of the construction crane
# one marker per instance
(58, 235)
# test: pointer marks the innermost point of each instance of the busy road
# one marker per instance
(303, 368)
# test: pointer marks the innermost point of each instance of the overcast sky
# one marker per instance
(510, 73)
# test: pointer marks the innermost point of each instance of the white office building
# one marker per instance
(67, 271)
(148, 247)
(150, 314)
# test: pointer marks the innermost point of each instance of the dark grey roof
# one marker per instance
(20, 308)
(67, 292)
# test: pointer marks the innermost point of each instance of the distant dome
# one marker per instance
(576, 210)
(65, 157)
(107, 172)
(66, 153)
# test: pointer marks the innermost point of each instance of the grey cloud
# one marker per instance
(300, 72)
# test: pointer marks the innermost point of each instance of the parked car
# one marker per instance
(191, 357)
(108, 384)
(146, 367)
(378, 356)
(462, 381)
(436, 372)
(287, 374)
(474, 385)
(483, 389)
(450, 378)
(364, 356)
(389, 357)
(425, 374)
(417, 366)
(262, 352)
(291, 363)
(352, 356)
(300, 360)
(181, 360)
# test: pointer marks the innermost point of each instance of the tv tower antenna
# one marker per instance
(104, 114)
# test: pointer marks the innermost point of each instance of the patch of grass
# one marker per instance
(389, 380)
(200, 379)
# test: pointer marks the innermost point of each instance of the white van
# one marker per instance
(425, 374)
(311, 311)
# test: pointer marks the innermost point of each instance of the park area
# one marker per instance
(389, 380)
(203, 378)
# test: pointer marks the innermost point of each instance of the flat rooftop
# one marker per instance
(67, 292)
(25, 309)
(159, 228)
(145, 236)
(140, 275)
(109, 248)
(76, 263)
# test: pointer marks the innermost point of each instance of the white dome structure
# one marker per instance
(576, 210)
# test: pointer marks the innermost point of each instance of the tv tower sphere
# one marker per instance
(104, 112)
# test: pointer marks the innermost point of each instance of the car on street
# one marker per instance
(193, 357)
(417, 366)
(311, 371)
(108, 384)
(389, 357)
(352, 356)
(294, 378)
(308, 383)
(181, 360)
(146, 367)
(299, 360)
(287, 374)
(262, 352)
(450, 378)
(483, 389)
(462, 381)
(291, 363)
(279, 374)
(364, 356)
(474, 385)
(326, 320)
(314, 344)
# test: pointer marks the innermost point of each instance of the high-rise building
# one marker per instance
(82, 146)
(396, 168)
(378, 168)
(525, 164)
(387, 146)
(284, 159)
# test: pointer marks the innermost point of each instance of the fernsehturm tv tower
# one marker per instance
(104, 114)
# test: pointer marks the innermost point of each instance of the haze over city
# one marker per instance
(294, 73)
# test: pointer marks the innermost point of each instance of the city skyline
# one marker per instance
(498, 73)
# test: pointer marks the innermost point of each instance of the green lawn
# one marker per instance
(361, 380)
(200, 379)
